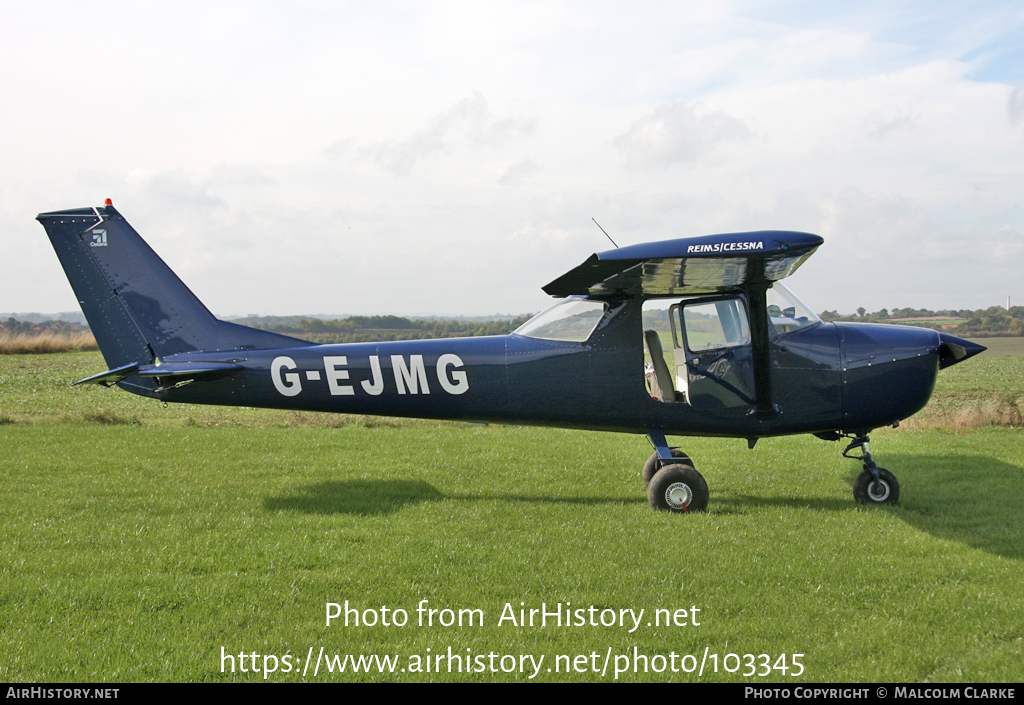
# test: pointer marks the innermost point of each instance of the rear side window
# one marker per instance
(572, 320)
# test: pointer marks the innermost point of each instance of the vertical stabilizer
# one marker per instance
(137, 307)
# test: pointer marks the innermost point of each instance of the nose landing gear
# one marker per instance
(874, 485)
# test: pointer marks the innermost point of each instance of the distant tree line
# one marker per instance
(12, 326)
(361, 329)
(994, 321)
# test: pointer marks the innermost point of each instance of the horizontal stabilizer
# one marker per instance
(166, 369)
(111, 376)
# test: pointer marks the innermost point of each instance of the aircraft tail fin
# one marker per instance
(138, 309)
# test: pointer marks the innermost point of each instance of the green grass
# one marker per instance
(36, 389)
(134, 548)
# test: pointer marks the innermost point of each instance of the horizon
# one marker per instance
(55, 316)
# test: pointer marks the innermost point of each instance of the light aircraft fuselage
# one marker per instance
(735, 354)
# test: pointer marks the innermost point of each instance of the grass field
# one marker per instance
(1002, 346)
(48, 342)
(139, 540)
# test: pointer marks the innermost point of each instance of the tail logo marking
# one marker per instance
(99, 238)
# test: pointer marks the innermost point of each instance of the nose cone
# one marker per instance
(953, 350)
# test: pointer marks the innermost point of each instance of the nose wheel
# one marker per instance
(874, 485)
(884, 490)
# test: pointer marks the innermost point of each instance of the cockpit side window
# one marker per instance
(786, 312)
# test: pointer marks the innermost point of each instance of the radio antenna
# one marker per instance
(604, 231)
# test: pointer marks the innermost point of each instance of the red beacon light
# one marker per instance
(108, 202)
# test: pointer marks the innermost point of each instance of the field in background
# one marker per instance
(139, 540)
(25, 343)
(1002, 346)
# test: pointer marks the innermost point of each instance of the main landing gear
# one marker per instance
(673, 484)
(653, 465)
(874, 485)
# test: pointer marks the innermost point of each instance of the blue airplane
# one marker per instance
(687, 337)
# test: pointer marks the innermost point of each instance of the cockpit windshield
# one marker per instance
(787, 312)
(571, 320)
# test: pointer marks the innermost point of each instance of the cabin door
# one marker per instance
(714, 362)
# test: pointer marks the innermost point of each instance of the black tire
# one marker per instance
(652, 466)
(887, 491)
(678, 488)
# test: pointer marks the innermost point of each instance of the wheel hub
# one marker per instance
(679, 495)
(879, 490)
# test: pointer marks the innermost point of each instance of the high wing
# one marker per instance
(694, 265)
(747, 262)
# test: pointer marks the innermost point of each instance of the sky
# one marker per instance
(446, 158)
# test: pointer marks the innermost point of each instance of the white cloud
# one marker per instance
(885, 127)
(677, 132)
(468, 120)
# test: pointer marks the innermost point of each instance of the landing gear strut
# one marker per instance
(874, 485)
(653, 464)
